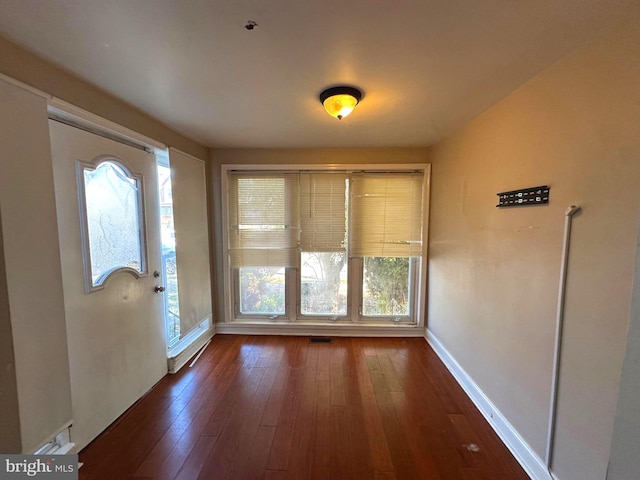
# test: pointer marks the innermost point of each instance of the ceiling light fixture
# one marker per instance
(340, 101)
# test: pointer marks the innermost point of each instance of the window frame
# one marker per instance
(93, 165)
(418, 265)
(414, 269)
(235, 289)
(162, 160)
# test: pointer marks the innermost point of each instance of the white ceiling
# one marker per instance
(426, 67)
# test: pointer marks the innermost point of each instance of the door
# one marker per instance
(108, 222)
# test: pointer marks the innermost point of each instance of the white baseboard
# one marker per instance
(61, 444)
(179, 359)
(524, 454)
(304, 329)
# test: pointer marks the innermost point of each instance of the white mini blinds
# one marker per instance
(323, 212)
(386, 215)
(263, 220)
(274, 216)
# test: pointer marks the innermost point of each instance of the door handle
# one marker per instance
(159, 289)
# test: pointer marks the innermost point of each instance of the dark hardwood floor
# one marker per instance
(256, 407)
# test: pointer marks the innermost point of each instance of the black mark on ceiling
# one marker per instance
(250, 25)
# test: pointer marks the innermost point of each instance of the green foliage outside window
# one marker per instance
(386, 285)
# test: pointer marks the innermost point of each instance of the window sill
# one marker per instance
(180, 353)
(337, 329)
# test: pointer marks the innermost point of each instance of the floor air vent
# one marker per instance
(320, 340)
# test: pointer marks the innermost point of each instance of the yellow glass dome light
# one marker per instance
(340, 101)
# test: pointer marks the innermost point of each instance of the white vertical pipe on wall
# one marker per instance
(553, 401)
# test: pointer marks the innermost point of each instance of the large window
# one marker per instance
(325, 246)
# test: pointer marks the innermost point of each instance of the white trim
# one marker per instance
(195, 333)
(24, 86)
(96, 123)
(177, 150)
(61, 444)
(226, 271)
(174, 364)
(347, 167)
(521, 450)
(189, 345)
(91, 121)
(420, 289)
(304, 329)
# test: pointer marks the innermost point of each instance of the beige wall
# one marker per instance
(494, 272)
(27, 67)
(316, 156)
(10, 440)
(33, 273)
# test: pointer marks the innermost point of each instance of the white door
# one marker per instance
(107, 201)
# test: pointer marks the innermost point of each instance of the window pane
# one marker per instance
(263, 220)
(386, 215)
(112, 202)
(169, 266)
(386, 286)
(262, 290)
(323, 283)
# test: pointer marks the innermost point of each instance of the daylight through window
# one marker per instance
(112, 210)
(325, 245)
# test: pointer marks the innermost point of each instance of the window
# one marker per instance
(263, 240)
(111, 210)
(323, 245)
(323, 237)
(168, 239)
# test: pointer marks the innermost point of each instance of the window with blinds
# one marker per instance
(386, 215)
(263, 220)
(325, 244)
(323, 214)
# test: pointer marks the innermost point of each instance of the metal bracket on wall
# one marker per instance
(523, 197)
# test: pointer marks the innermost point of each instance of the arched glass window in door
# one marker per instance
(113, 225)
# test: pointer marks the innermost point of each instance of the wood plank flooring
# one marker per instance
(280, 408)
